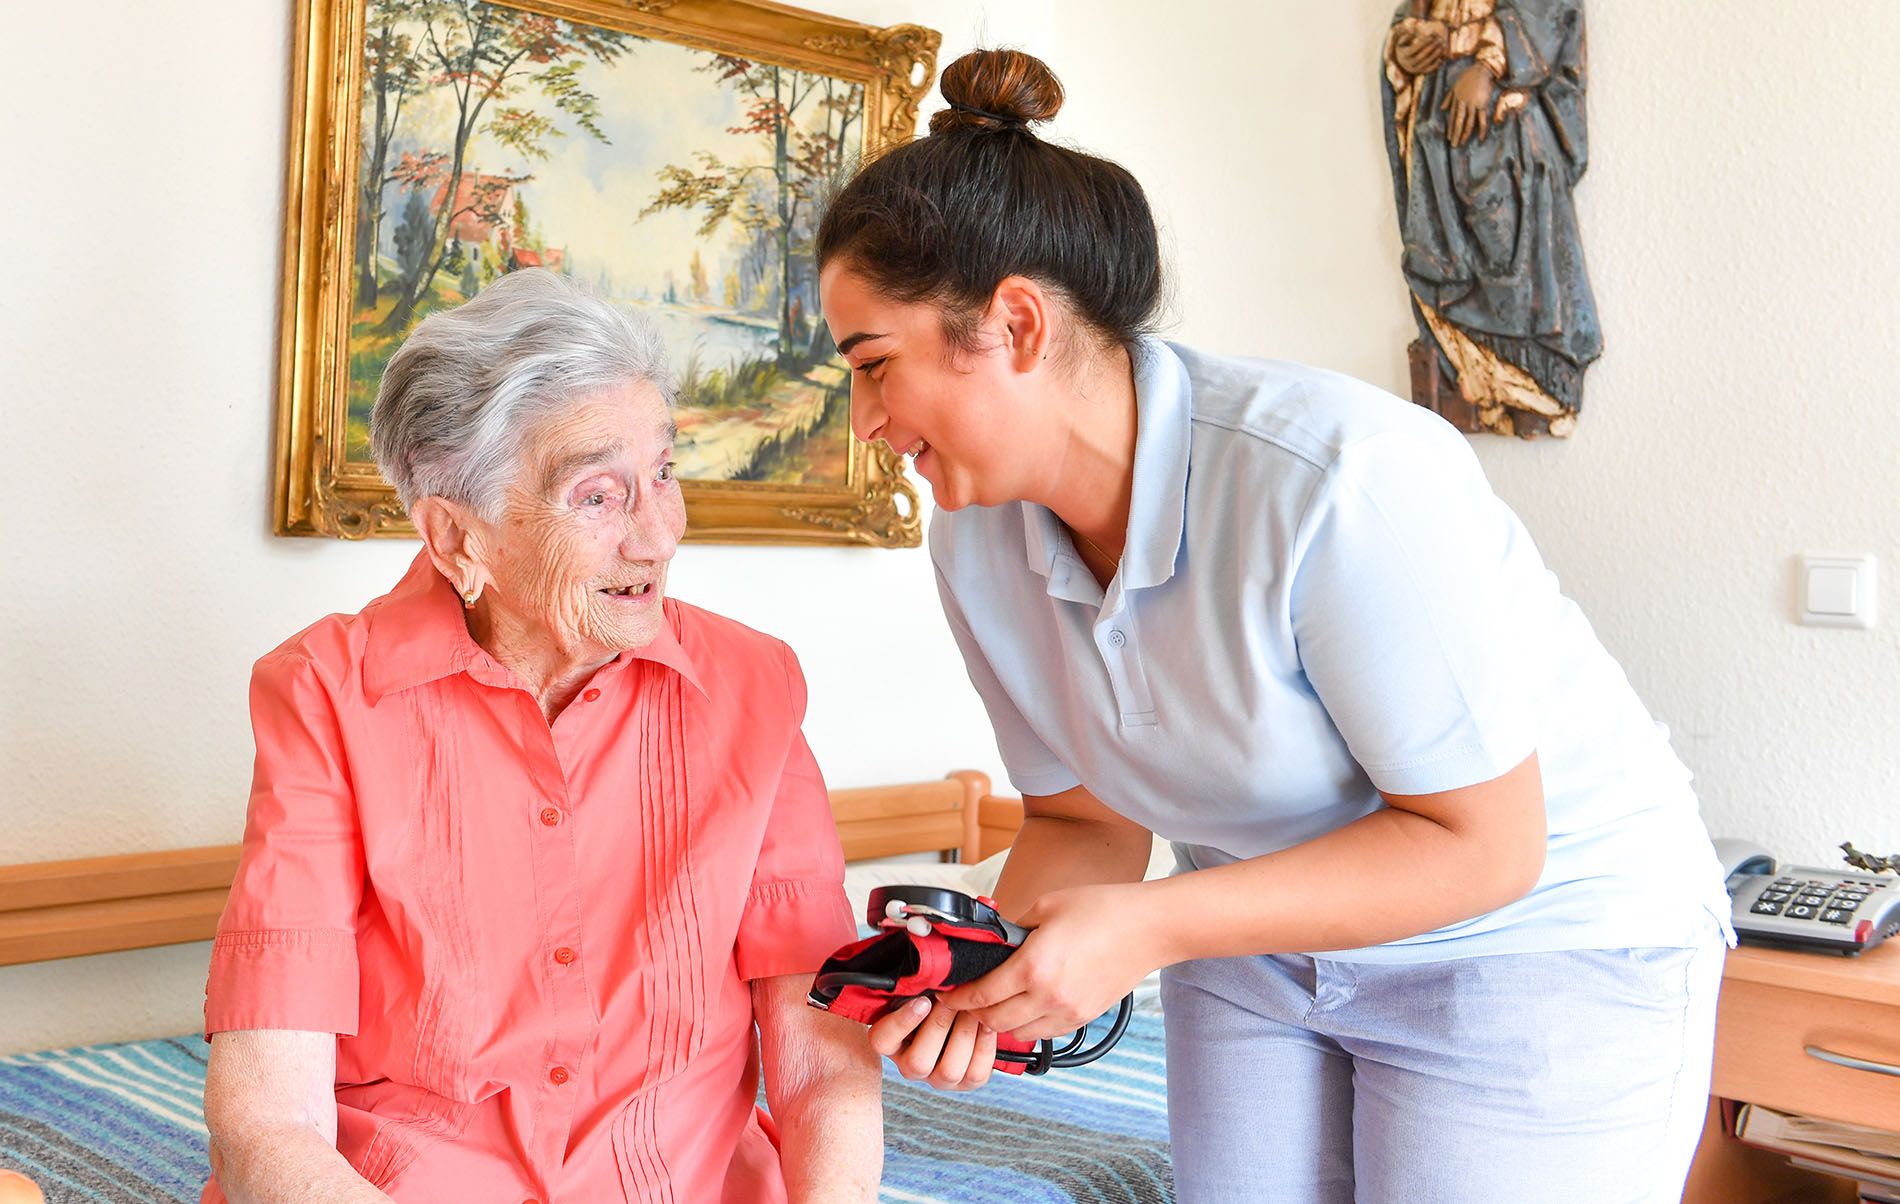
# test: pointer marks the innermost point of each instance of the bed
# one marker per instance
(124, 1122)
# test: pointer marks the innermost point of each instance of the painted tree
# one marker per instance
(413, 233)
(696, 273)
(520, 218)
(799, 162)
(490, 58)
(392, 73)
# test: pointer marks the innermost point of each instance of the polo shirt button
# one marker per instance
(550, 816)
(591, 696)
(558, 1075)
(564, 955)
(1116, 637)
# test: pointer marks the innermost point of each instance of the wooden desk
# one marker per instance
(1775, 1005)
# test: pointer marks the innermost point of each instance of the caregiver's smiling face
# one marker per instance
(927, 398)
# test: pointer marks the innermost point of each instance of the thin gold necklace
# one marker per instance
(1099, 550)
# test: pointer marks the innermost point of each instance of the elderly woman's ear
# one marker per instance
(454, 539)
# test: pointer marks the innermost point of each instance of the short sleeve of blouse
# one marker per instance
(1401, 603)
(796, 911)
(285, 952)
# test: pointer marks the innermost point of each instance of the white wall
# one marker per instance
(1740, 224)
(1737, 214)
(138, 315)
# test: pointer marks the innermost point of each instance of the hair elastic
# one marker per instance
(1018, 122)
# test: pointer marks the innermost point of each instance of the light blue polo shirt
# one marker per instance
(1321, 598)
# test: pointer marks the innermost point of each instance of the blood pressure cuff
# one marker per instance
(868, 979)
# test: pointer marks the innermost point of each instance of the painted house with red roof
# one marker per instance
(526, 257)
(484, 216)
(484, 211)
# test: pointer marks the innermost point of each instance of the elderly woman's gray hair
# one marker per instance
(469, 382)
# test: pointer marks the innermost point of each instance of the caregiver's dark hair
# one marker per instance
(945, 218)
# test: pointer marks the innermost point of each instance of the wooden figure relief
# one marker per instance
(1484, 121)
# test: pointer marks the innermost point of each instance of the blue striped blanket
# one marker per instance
(124, 1124)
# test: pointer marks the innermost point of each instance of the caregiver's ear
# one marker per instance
(1026, 313)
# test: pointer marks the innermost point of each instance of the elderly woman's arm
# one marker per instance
(824, 1086)
(270, 1103)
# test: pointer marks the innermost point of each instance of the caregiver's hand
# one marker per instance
(949, 1050)
(1091, 946)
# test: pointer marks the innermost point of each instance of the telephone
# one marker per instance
(1805, 907)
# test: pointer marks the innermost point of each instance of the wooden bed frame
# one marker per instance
(55, 909)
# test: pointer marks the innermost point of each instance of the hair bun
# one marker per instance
(996, 89)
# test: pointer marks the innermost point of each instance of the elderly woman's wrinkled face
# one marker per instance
(579, 557)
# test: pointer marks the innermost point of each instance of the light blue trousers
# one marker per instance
(1564, 1078)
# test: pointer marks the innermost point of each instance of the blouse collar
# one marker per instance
(417, 635)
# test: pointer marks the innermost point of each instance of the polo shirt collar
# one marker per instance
(1157, 507)
(417, 635)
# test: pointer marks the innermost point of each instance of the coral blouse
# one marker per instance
(533, 941)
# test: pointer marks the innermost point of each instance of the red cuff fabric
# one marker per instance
(304, 979)
(792, 927)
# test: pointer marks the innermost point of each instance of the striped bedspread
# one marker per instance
(118, 1123)
(124, 1124)
(1095, 1133)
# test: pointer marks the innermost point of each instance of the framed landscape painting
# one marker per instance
(670, 154)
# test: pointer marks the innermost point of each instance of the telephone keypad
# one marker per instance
(1807, 908)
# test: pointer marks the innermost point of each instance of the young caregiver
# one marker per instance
(1448, 926)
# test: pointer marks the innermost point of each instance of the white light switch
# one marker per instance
(1838, 591)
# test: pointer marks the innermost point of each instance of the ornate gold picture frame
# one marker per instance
(670, 153)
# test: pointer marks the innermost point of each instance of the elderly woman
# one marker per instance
(532, 849)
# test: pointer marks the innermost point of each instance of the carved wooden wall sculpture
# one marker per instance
(1484, 119)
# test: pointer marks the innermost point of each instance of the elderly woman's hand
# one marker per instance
(932, 1042)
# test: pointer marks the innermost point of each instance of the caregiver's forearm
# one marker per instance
(1056, 852)
(286, 1165)
(1401, 871)
(825, 1088)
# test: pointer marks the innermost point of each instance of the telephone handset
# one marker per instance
(1805, 907)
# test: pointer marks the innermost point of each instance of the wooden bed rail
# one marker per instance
(54, 909)
(997, 822)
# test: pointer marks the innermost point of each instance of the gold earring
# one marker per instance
(468, 597)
